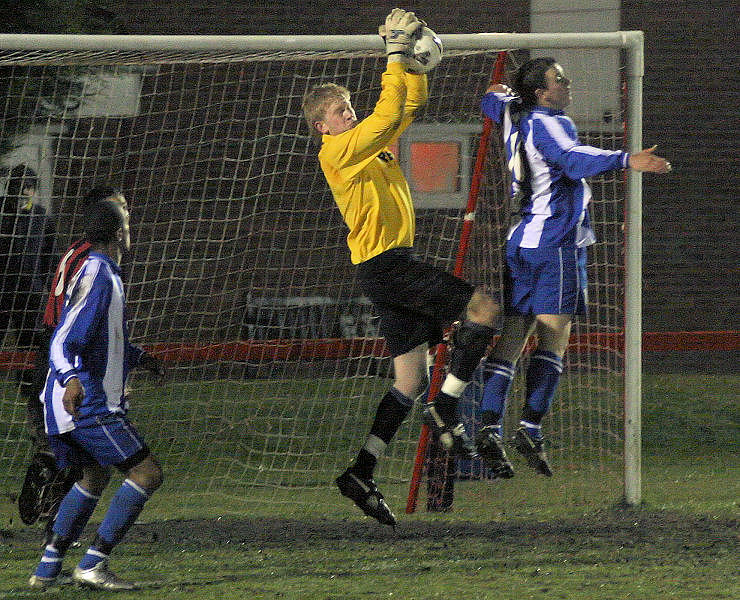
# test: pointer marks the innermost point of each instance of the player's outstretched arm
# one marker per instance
(648, 162)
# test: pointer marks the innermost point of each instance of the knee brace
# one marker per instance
(469, 342)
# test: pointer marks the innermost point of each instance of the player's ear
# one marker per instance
(321, 127)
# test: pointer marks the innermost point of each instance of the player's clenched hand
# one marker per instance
(648, 162)
(74, 394)
(400, 27)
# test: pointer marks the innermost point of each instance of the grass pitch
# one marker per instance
(517, 539)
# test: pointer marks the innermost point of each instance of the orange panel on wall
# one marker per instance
(435, 166)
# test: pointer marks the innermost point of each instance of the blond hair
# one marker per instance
(318, 100)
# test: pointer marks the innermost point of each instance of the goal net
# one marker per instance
(239, 276)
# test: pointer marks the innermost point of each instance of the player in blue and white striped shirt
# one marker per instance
(85, 406)
(546, 282)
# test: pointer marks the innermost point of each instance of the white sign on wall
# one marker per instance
(98, 94)
(594, 72)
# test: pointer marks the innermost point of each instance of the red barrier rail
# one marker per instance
(330, 348)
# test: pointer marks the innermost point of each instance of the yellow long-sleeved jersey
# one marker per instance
(366, 180)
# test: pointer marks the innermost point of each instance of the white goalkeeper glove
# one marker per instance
(398, 32)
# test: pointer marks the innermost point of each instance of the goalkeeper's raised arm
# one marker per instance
(415, 301)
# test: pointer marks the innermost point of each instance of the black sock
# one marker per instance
(392, 410)
(446, 407)
(531, 415)
(364, 464)
(488, 417)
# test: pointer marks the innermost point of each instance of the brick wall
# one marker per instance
(690, 109)
(691, 105)
(313, 16)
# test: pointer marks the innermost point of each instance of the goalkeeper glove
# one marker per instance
(381, 31)
(399, 30)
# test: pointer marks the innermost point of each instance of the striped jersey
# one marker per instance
(91, 343)
(365, 178)
(554, 194)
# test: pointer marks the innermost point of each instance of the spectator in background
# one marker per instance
(26, 243)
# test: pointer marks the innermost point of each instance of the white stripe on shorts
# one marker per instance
(560, 292)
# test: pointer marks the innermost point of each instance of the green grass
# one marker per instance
(529, 537)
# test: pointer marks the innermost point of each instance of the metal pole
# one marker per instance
(288, 43)
(633, 282)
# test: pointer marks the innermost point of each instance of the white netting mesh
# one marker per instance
(240, 276)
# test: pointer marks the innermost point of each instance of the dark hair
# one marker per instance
(98, 194)
(530, 77)
(102, 221)
(21, 177)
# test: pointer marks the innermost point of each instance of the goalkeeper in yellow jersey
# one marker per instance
(414, 300)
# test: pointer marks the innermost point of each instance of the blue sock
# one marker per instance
(125, 506)
(51, 563)
(543, 376)
(72, 516)
(497, 387)
(74, 512)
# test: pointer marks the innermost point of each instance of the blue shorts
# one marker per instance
(545, 281)
(109, 440)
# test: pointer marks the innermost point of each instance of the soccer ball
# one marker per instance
(427, 51)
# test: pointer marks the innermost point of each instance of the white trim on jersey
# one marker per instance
(541, 194)
(113, 379)
(560, 283)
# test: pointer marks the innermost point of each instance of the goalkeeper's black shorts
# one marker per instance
(413, 299)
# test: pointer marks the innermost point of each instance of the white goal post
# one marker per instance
(239, 277)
